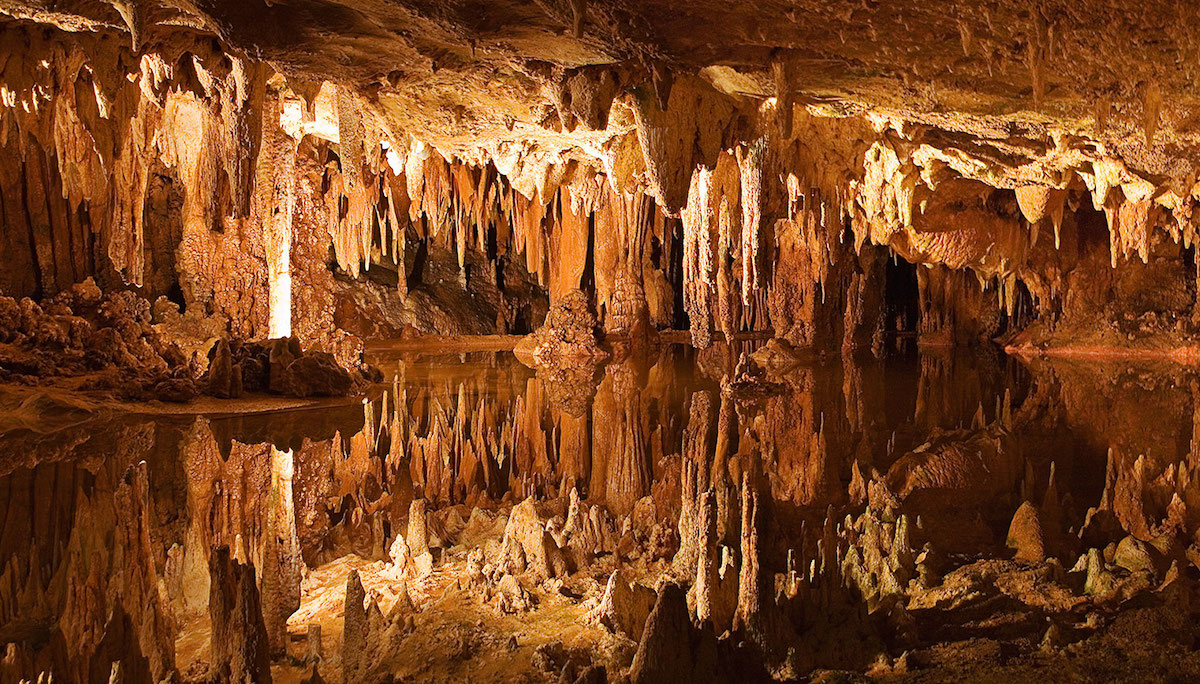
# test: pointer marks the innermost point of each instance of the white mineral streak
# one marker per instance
(697, 258)
(750, 162)
(275, 191)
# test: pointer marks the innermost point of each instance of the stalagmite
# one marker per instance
(668, 649)
(137, 588)
(240, 648)
(356, 662)
(1025, 534)
(749, 592)
(705, 586)
(726, 297)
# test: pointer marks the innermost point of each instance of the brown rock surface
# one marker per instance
(240, 649)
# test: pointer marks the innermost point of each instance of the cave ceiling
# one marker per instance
(1004, 81)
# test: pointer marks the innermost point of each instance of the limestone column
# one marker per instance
(274, 190)
(282, 565)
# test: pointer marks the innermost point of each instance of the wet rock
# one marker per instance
(750, 381)
(881, 561)
(314, 649)
(511, 597)
(418, 528)
(114, 333)
(403, 564)
(549, 658)
(418, 539)
(624, 606)
(644, 517)
(401, 616)
(240, 649)
(578, 533)
(220, 371)
(963, 468)
(1133, 555)
(776, 356)
(1025, 534)
(1053, 639)
(568, 335)
(595, 674)
(1099, 581)
(282, 354)
(254, 374)
(356, 658)
(305, 374)
(175, 390)
(236, 386)
(528, 547)
(671, 650)
(1100, 527)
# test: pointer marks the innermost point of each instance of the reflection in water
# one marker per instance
(857, 500)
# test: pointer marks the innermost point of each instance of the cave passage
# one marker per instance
(901, 298)
(598, 341)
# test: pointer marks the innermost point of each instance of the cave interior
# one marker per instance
(599, 341)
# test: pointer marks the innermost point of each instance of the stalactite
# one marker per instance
(397, 231)
(697, 258)
(671, 133)
(130, 177)
(750, 163)
(350, 137)
(569, 245)
(727, 301)
(1129, 226)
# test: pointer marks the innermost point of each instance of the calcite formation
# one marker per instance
(742, 248)
(203, 164)
(401, 539)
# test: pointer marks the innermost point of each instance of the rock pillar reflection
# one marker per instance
(282, 565)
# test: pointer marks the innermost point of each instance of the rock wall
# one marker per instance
(280, 200)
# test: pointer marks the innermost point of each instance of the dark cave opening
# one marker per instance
(587, 281)
(417, 271)
(1021, 311)
(901, 297)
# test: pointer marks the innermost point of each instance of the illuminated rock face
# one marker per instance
(249, 176)
(741, 246)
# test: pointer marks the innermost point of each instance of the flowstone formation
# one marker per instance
(741, 251)
(724, 185)
(567, 337)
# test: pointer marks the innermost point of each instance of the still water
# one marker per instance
(108, 519)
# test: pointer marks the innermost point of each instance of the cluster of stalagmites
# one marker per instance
(874, 570)
(736, 583)
(117, 344)
(568, 337)
(513, 560)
